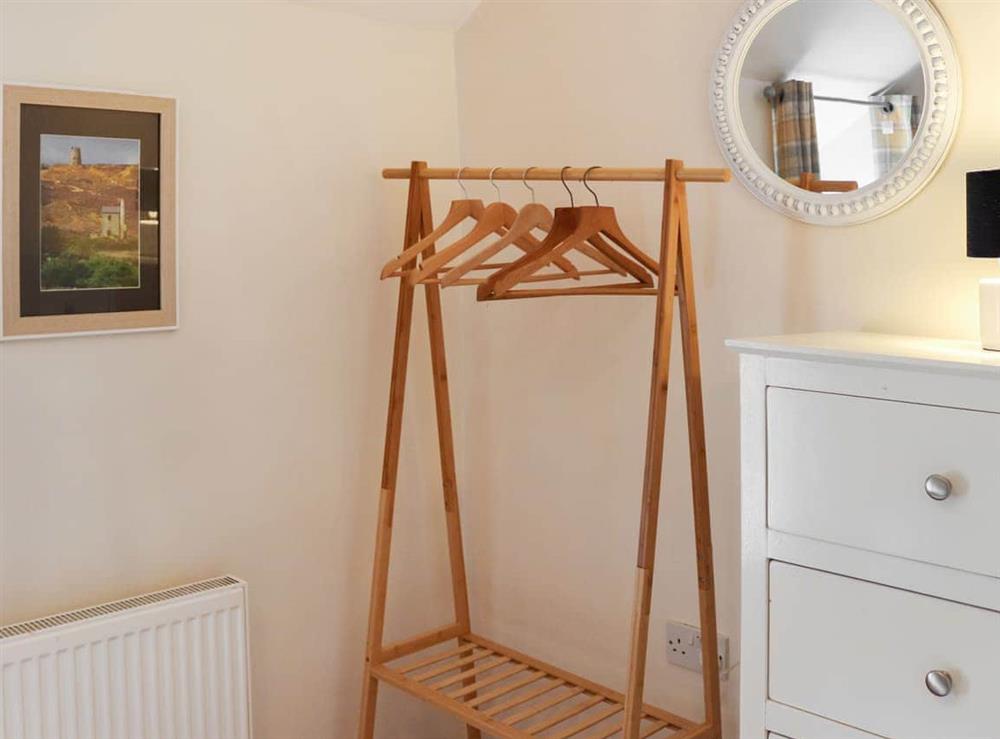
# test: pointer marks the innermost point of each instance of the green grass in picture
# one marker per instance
(74, 261)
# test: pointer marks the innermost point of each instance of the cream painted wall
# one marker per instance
(250, 440)
(554, 394)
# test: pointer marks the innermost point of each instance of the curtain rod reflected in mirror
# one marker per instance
(887, 107)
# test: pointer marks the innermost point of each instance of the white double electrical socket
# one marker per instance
(684, 648)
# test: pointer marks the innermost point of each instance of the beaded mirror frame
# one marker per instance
(934, 136)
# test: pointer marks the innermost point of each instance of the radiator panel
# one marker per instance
(161, 668)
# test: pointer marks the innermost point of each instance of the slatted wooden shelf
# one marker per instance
(509, 694)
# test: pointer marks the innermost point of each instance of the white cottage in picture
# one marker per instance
(113, 220)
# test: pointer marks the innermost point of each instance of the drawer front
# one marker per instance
(858, 653)
(786, 722)
(853, 471)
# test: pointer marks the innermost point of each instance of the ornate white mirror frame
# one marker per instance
(942, 93)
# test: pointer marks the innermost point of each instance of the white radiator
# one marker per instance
(167, 665)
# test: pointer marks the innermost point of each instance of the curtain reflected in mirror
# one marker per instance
(793, 125)
(894, 126)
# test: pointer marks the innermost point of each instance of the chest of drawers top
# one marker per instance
(878, 350)
(932, 372)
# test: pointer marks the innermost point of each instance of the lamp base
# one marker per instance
(989, 312)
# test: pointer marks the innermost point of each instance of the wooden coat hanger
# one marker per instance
(457, 213)
(572, 227)
(532, 216)
(495, 218)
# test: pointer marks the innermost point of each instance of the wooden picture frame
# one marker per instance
(145, 298)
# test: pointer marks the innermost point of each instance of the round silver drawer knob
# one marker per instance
(937, 487)
(938, 682)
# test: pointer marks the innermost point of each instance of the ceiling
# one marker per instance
(855, 40)
(447, 14)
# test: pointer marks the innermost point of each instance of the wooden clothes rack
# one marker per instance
(489, 686)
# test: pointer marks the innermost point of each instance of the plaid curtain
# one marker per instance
(794, 113)
(892, 133)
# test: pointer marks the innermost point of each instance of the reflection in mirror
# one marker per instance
(831, 92)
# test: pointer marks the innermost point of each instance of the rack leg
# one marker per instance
(383, 540)
(390, 467)
(669, 246)
(699, 477)
(446, 442)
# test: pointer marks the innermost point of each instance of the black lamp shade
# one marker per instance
(982, 201)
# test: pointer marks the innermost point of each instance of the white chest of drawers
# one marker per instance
(871, 538)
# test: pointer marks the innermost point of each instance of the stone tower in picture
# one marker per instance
(75, 158)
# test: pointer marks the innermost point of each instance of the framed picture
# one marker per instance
(88, 212)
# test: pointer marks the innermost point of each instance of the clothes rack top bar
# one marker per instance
(598, 174)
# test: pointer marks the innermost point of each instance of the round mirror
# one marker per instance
(835, 112)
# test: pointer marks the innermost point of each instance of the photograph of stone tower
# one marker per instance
(89, 217)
